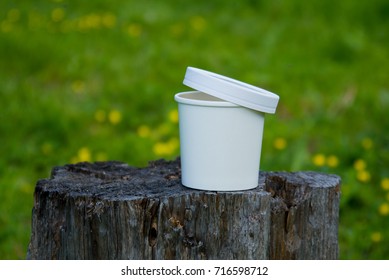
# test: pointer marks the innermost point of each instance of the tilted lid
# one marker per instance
(231, 90)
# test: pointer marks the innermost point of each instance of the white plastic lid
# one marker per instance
(231, 90)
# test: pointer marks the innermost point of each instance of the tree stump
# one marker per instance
(110, 210)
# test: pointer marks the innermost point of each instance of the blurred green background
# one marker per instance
(95, 80)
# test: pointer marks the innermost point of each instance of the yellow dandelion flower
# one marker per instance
(376, 236)
(384, 209)
(385, 184)
(173, 116)
(93, 21)
(360, 165)
(58, 14)
(46, 148)
(173, 144)
(84, 154)
(6, 26)
(166, 148)
(144, 131)
(13, 15)
(363, 176)
(367, 143)
(115, 117)
(279, 143)
(332, 161)
(78, 86)
(319, 159)
(134, 30)
(108, 20)
(100, 116)
(161, 149)
(198, 23)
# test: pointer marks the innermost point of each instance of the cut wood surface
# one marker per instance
(109, 210)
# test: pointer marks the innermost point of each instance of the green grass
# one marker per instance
(95, 80)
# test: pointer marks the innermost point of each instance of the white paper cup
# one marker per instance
(220, 143)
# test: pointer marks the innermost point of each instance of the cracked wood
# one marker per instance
(110, 210)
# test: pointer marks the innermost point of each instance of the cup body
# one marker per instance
(220, 143)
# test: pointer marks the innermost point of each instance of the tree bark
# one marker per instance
(110, 210)
(304, 215)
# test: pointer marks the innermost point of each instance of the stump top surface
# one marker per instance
(118, 181)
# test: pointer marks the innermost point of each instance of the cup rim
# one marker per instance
(202, 99)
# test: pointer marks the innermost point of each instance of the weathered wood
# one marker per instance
(110, 210)
(304, 215)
